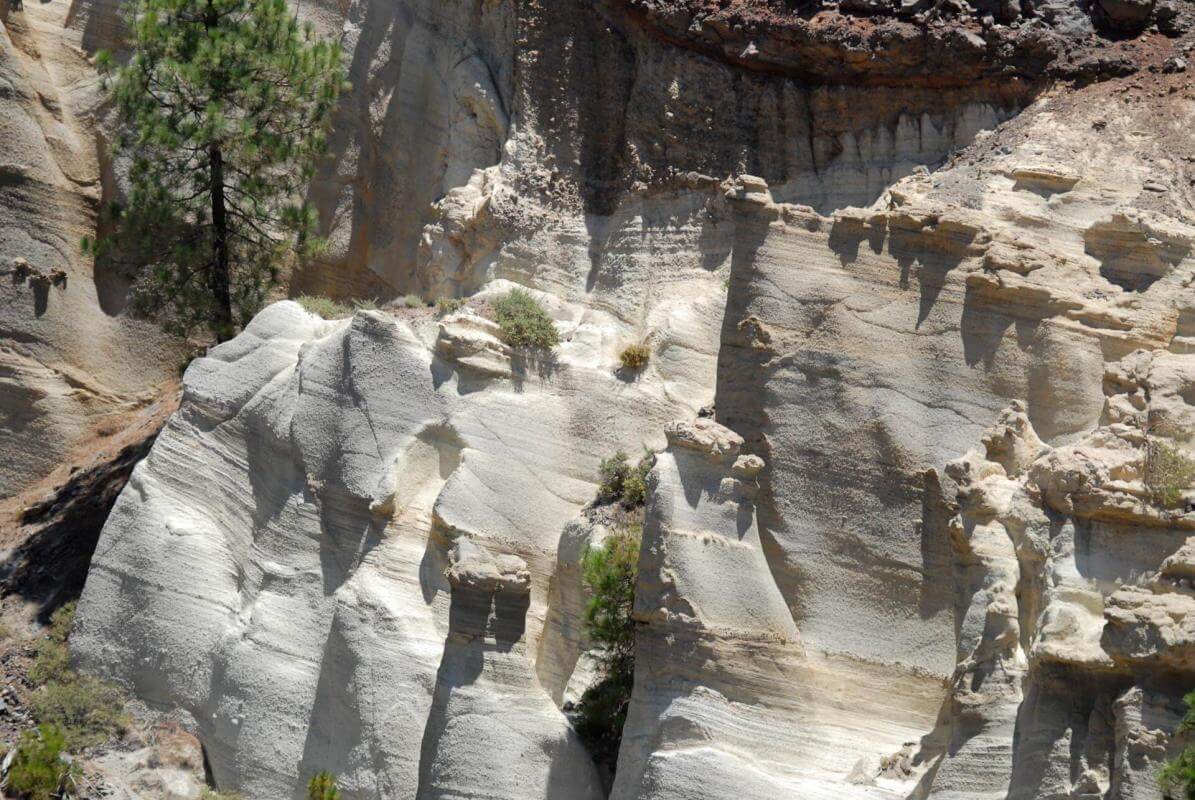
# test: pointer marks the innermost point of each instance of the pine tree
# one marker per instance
(225, 107)
(610, 572)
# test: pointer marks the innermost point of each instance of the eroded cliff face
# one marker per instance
(940, 302)
(70, 362)
(1046, 266)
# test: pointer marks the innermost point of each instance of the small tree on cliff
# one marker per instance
(1177, 777)
(226, 106)
(610, 571)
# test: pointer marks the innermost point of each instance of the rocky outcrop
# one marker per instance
(71, 363)
(717, 654)
(487, 692)
(992, 305)
(1075, 617)
(373, 498)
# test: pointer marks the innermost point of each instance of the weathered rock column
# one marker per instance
(717, 645)
(489, 715)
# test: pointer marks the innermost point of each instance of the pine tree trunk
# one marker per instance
(218, 277)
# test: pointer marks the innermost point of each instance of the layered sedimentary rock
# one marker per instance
(456, 110)
(917, 552)
(915, 322)
(715, 634)
(307, 496)
(69, 358)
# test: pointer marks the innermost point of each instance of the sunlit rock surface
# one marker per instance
(912, 552)
(71, 361)
(303, 504)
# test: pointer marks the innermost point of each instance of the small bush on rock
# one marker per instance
(324, 307)
(84, 709)
(635, 357)
(609, 572)
(1168, 473)
(212, 794)
(38, 770)
(411, 301)
(619, 481)
(611, 474)
(322, 786)
(449, 305)
(1177, 778)
(524, 322)
(634, 485)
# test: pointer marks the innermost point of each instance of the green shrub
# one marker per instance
(635, 357)
(38, 771)
(524, 322)
(324, 307)
(619, 481)
(323, 787)
(367, 304)
(85, 709)
(1177, 778)
(449, 305)
(612, 472)
(1169, 473)
(610, 571)
(51, 657)
(634, 485)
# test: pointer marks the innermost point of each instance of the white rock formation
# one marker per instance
(356, 546)
(307, 497)
(717, 707)
(492, 729)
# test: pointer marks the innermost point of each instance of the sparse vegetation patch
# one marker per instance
(449, 305)
(1177, 778)
(1169, 473)
(524, 322)
(212, 794)
(334, 309)
(85, 710)
(323, 306)
(635, 357)
(39, 771)
(621, 482)
(322, 786)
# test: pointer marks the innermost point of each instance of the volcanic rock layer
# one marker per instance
(940, 301)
